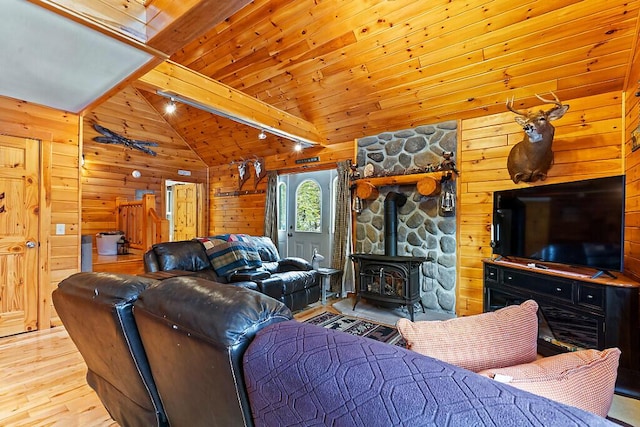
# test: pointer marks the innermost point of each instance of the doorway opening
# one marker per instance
(185, 209)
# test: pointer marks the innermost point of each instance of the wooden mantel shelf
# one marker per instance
(428, 184)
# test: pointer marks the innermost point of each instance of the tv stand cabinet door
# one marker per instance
(546, 286)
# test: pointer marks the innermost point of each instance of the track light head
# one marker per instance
(262, 135)
(170, 108)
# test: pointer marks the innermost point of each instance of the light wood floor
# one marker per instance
(42, 383)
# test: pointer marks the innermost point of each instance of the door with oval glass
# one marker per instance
(306, 207)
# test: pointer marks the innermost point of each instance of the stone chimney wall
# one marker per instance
(422, 231)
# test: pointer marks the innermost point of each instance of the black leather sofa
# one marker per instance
(290, 280)
(191, 352)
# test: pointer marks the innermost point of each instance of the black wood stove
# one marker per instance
(389, 280)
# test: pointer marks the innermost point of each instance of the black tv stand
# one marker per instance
(576, 310)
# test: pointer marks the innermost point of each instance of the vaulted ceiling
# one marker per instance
(349, 69)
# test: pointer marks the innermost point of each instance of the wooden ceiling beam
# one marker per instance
(172, 24)
(217, 98)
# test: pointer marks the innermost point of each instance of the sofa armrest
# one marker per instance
(294, 264)
(189, 255)
(150, 262)
(163, 275)
(248, 275)
(273, 287)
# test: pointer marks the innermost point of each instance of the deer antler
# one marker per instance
(549, 101)
(510, 107)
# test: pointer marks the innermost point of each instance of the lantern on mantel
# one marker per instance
(357, 205)
(447, 201)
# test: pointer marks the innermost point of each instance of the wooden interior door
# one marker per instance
(185, 211)
(19, 206)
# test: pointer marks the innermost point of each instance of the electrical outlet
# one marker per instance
(59, 228)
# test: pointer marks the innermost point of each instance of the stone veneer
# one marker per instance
(422, 231)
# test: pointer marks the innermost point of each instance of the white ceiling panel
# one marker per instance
(53, 61)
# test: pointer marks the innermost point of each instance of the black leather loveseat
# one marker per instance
(290, 280)
(191, 352)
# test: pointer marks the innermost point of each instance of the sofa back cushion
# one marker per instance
(267, 250)
(188, 255)
(505, 337)
(195, 332)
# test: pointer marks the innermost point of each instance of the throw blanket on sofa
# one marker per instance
(301, 374)
(228, 256)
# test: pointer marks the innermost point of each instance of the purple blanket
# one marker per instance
(306, 375)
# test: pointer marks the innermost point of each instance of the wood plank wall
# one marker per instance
(58, 133)
(244, 213)
(632, 218)
(587, 144)
(106, 174)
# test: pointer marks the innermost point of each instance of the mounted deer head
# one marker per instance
(531, 158)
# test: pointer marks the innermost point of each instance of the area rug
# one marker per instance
(359, 327)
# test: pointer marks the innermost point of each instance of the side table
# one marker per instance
(325, 276)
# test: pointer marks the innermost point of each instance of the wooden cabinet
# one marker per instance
(575, 311)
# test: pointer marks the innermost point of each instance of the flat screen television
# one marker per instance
(578, 223)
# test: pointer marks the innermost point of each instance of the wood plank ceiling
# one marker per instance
(358, 68)
(353, 68)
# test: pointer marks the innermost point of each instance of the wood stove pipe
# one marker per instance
(392, 202)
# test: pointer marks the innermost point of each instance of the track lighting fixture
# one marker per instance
(304, 143)
(170, 108)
